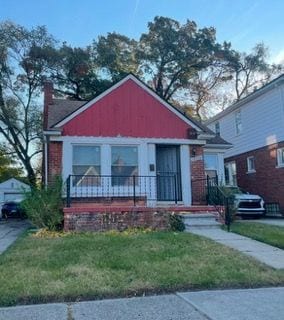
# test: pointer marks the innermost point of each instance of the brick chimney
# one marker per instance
(47, 100)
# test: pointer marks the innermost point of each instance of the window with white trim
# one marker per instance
(211, 165)
(217, 128)
(250, 164)
(231, 174)
(280, 157)
(86, 165)
(238, 122)
(124, 165)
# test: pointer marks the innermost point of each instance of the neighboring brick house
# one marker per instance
(126, 145)
(255, 127)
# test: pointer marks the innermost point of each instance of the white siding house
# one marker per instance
(255, 128)
(262, 120)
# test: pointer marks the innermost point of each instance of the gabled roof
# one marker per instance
(63, 111)
(60, 108)
(217, 140)
(269, 86)
(18, 183)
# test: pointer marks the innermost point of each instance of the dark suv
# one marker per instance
(12, 209)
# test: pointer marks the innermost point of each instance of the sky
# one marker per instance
(241, 22)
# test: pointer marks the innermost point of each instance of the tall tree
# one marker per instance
(75, 73)
(252, 70)
(23, 65)
(172, 54)
(205, 92)
(116, 55)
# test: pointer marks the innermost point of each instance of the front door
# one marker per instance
(168, 173)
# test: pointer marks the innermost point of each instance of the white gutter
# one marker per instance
(45, 161)
(222, 146)
(52, 133)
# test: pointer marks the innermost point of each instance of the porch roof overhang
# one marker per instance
(125, 140)
(218, 146)
(52, 133)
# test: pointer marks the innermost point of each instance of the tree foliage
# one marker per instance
(75, 73)
(172, 54)
(116, 55)
(8, 166)
(22, 70)
(250, 71)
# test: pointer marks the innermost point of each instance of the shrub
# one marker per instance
(176, 223)
(44, 206)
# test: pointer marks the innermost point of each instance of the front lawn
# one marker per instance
(93, 266)
(272, 235)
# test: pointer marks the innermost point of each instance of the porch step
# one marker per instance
(200, 220)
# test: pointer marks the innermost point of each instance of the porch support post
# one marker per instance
(68, 193)
(185, 174)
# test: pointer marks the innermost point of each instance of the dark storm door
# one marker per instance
(168, 173)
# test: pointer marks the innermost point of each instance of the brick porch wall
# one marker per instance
(54, 160)
(90, 219)
(268, 180)
(197, 177)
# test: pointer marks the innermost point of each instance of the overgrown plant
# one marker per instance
(176, 223)
(44, 206)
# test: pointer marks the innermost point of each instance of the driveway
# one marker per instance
(250, 304)
(10, 230)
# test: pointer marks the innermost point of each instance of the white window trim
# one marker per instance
(236, 124)
(280, 164)
(146, 156)
(249, 170)
(229, 166)
(105, 151)
(217, 125)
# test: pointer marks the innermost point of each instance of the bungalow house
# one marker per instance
(255, 128)
(126, 150)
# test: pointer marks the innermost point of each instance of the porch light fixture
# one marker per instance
(193, 152)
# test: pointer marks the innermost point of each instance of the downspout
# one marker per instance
(46, 141)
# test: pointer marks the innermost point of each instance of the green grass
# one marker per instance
(269, 234)
(93, 266)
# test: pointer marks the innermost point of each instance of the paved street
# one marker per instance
(244, 304)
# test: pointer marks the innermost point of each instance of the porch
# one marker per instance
(123, 190)
(162, 190)
(100, 202)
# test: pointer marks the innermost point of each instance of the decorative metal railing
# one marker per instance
(223, 203)
(134, 189)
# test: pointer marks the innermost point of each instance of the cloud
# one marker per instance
(279, 57)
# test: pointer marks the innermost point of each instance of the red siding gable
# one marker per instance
(127, 111)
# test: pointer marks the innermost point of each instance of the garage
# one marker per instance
(12, 189)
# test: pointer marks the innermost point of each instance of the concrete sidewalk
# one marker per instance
(10, 230)
(251, 304)
(264, 253)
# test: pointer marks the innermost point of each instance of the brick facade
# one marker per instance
(54, 160)
(90, 219)
(197, 176)
(267, 180)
